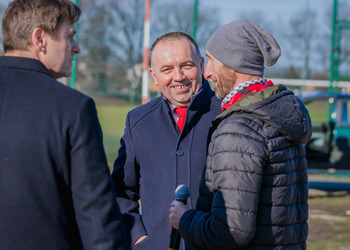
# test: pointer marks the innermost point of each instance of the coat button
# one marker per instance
(179, 152)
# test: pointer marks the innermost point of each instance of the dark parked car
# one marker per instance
(329, 146)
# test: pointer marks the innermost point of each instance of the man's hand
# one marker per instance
(177, 209)
(140, 239)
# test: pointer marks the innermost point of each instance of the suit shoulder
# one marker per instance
(144, 110)
(70, 91)
(61, 91)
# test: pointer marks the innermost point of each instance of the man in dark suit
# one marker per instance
(156, 153)
(55, 188)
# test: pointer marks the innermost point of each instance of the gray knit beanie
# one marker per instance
(244, 47)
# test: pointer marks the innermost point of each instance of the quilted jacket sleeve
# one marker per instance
(236, 157)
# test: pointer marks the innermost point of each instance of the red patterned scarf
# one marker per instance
(243, 89)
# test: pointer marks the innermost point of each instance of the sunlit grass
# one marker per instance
(112, 120)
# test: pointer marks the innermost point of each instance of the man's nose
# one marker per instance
(76, 48)
(208, 72)
(178, 75)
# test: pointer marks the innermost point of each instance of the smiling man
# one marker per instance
(56, 191)
(157, 155)
(177, 70)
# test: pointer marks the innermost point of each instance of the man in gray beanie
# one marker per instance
(254, 192)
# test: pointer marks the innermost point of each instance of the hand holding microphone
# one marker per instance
(177, 209)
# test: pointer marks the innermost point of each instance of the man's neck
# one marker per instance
(244, 78)
(21, 53)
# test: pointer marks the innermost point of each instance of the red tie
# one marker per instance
(182, 116)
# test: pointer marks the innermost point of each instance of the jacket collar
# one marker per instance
(203, 96)
(23, 63)
(244, 89)
(250, 99)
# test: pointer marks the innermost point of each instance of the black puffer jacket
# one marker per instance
(254, 194)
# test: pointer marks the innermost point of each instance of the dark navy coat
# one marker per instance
(154, 158)
(55, 188)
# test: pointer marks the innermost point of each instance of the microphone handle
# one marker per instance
(175, 237)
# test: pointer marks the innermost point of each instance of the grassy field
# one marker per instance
(329, 221)
(112, 120)
(329, 226)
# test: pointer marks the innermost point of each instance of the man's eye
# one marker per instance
(187, 67)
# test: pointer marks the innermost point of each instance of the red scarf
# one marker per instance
(250, 89)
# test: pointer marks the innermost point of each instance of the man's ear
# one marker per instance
(39, 39)
(202, 65)
(153, 76)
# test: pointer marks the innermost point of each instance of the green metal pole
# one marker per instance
(334, 54)
(333, 67)
(195, 18)
(74, 67)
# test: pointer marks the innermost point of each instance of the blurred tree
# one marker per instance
(301, 34)
(95, 41)
(178, 16)
(344, 15)
(3, 6)
(127, 31)
(111, 35)
(292, 73)
(305, 40)
(309, 41)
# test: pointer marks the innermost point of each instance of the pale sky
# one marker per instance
(231, 10)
